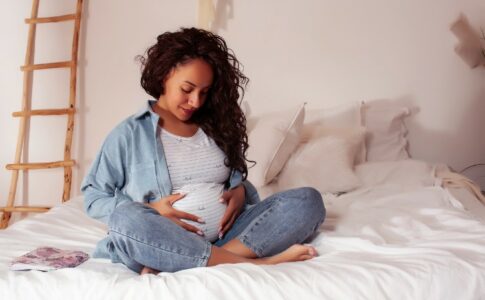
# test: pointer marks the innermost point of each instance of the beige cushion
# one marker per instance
(337, 119)
(271, 142)
(325, 162)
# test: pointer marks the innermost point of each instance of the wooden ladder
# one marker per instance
(27, 112)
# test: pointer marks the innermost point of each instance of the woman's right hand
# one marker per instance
(164, 208)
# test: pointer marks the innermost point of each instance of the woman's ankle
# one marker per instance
(237, 247)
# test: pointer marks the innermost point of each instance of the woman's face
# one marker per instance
(186, 88)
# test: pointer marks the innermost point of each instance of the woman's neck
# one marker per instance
(173, 125)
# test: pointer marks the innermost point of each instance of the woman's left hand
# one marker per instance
(235, 202)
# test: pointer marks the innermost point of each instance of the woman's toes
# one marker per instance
(147, 270)
(312, 251)
(306, 257)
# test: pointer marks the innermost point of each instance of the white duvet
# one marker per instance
(390, 239)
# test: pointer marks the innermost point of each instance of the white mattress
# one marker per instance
(390, 239)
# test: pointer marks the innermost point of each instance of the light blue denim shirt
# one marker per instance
(131, 166)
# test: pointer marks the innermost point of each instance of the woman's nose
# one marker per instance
(195, 101)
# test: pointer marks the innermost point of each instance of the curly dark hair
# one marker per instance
(220, 117)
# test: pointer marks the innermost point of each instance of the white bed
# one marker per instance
(396, 234)
(386, 241)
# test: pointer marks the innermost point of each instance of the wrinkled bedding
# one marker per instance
(399, 236)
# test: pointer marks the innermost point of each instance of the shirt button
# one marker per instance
(201, 207)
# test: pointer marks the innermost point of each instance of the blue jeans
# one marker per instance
(140, 236)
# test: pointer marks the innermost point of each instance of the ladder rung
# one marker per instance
(62, 64)
(51, 19)
(25, 209)
(45, 112)
(44, 165)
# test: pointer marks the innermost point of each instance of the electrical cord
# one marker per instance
(471, 166)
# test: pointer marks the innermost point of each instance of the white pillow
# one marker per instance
(271, 142)
(349, 133)
(342, 117)
(325, 163)
(386, 132)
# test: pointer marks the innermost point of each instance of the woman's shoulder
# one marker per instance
(127, 129)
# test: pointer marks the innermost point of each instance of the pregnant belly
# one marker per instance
(202, 200)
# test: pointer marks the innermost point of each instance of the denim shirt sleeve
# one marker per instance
(101, 187)
(252, 196)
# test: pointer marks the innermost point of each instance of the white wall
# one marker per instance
(320, 51)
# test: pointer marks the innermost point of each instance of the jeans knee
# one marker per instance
(311, 193)
(127, 216)
(314, 203)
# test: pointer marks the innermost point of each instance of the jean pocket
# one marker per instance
(142, 184)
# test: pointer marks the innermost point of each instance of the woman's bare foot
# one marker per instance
(295, 252)
(147, 270)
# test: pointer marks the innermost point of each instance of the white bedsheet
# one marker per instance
(386, 241)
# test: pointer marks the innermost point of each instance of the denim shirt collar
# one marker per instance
(147, 109)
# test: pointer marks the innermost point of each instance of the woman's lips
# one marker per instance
(188, 112)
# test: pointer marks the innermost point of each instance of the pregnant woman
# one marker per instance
(170, 181)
